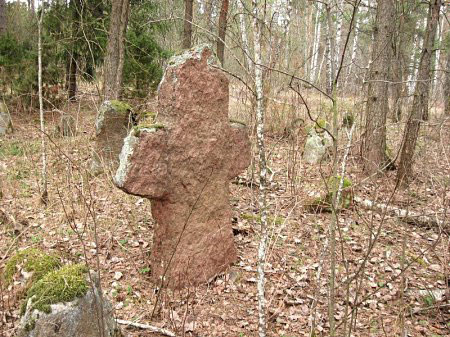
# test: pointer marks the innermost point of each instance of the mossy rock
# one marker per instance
(320, 125)
(257, 218)
(147, 126)
(34, 261)
(333, 183)
(59, 286)
(323, 203)
(348, 120)
(120, 106)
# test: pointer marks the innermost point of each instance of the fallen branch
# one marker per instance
(410, 217)
(147, 327)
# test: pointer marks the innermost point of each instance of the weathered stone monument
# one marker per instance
(183, 163)
(5, 120)
(112, 124)
(316, 146)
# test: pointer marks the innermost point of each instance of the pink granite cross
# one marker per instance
(184, 164)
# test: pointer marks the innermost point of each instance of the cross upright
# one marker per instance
(184, 164)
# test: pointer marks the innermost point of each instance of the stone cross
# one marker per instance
(183, 164)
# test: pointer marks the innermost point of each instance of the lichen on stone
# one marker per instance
(127, 150)
(33, 261)
(59, 286)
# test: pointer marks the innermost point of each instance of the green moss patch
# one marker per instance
(257, 218)
(32, 260)
(59, 286)
(120, 106)
(146, 125)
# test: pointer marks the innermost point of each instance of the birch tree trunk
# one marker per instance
(44, 190)
(115, 49)
(286, 30)
(374, 143)
(316, 44)
(244, 35)
(438, 55)
(339, 14)
(187, 27)
(330, 55)
(421, 96)
(354, 48)
(258, 21)
(447, 86)
(222, 31)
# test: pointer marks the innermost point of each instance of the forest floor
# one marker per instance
(389, 274)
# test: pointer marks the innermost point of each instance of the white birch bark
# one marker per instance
(438, 53)
(414, 68)
(244, 35)
(316, 43)
(354, 48)
(257, 26)
(44, 191)
(339, 10)
(286, 28)
(329, 51)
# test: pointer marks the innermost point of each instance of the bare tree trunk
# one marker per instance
(337, 56)
(187, 28)
(72, 78)
(222, 31)
(115, 49)
(44, 191)
(447, 86)
(374, 148)
(354, 49)
(330, 52)
(244, 35)
(208, 15)
(2, 16)
(316, 44)
(398, 64)
(260, 112)
(421, 95)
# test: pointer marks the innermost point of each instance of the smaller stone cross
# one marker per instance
(184, 164)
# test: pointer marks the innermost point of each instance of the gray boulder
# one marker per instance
(78, 317)
(316, 146)
(5, 120)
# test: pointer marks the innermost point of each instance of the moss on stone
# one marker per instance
(333, 183)
(59, 286)
(34, 261)
(120, 106)
(146, 125)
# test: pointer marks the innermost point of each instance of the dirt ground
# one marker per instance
(389, 274)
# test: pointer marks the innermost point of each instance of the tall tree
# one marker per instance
(222, 31)
(73, 59)
(374, 146)
(187, 27)
(2, 16)
(447, 85)
(258, 21)
(44, 192)
(115, 49)
(421, 95)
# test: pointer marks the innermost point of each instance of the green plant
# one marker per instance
(62, 285)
